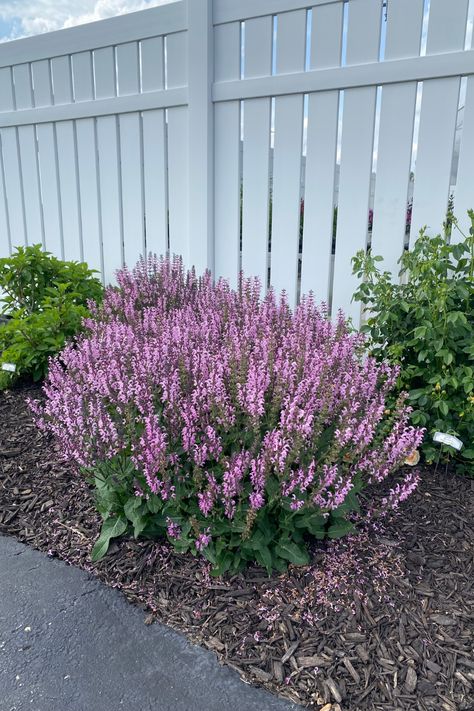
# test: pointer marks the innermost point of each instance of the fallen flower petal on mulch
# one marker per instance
(383, 621)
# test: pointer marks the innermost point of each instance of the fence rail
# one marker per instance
(202, 127)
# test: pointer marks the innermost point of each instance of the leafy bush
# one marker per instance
(426, 326)
(225, 422)
(44, 300)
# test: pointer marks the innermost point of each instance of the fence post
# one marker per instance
(200, 134)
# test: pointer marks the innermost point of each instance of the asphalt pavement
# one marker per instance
(69, 643)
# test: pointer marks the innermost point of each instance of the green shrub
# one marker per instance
(43, 301)
(426, 325)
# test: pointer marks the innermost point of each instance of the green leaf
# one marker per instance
(223, 563)
(314, 523)
(419, 332)
(111, 528)
(154, 503)
(134, 510)
(264, 557)
(444, 407)
(340, 528)
(293, 553)
(131, 506)
(272, 487)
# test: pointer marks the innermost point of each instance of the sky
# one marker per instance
(21, 18)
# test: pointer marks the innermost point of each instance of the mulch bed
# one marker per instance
(381, 623)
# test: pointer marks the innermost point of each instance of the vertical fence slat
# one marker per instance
(69, 189)
(152, 64)
(326, 36)
(155, 187)
(132, 198)
(22, 86)
(67, 161)
(177, 183)
(446, 26)
(154, 150)
(5, 244)
(109, 168)
(404, 23)
(82, 73)
(464, 196)
(6, 104)
(42, 89)
(256, 153)
(21, 95)
(446, 33)
(356, 155)
(177, 57)
(110, 200)
(323, 110)
(128, 77)
(62, 82)
(397, 114)
(47, 155)
(200, 134)
(29, 169)
(227, 158)
(48, 161)
(290, 57)
(130, 156)
(104, 72)
(13, 184)
(82, 76)
(90, 218)
(6, 89)
(177, 150)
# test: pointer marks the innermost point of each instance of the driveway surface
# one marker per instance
(68, 643)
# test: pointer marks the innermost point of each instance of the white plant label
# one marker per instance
(448, 439)
(10, 367)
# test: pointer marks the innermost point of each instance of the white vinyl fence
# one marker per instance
(199, 126)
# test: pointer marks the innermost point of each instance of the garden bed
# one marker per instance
(386, 623)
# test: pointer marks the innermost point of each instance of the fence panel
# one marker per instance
(140, 133)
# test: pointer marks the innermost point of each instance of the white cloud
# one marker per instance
(31, 17)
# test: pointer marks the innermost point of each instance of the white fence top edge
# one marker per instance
(155, 21)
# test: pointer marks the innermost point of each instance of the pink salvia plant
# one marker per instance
(225, 407)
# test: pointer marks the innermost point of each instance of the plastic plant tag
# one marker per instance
(10, 367)
(448, 439)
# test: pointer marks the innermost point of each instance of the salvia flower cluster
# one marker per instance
(225, 421)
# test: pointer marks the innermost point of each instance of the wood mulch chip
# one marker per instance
(384, 623)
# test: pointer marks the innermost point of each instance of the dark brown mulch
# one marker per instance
(381, 623)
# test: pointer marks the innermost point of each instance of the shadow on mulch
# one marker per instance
(381, 623)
